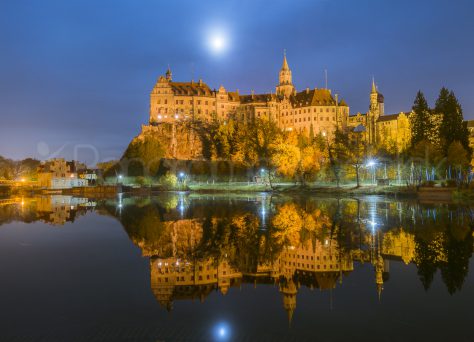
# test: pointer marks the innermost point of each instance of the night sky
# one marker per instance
(78, 73)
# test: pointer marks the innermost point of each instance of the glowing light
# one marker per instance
(371, 163)
(176, 116)
(222, 331)
(218, 43)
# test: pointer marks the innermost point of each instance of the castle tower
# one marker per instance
(379, 268)
(289, 292)
(285, 86)
(376, 109)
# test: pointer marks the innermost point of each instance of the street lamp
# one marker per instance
(371, 164)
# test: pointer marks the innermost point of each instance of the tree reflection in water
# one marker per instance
(217, 242)
(198, 243)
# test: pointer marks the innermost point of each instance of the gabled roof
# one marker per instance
(343, 103)
(258, 98)
(233, 96)
(391, 117)
(191, 88)
(313, 97)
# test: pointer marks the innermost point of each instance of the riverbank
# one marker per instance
(288, 188)
(395, 191)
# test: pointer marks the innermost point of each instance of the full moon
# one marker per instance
(217, 43)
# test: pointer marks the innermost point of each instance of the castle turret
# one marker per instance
(285, 86)
(169, 75)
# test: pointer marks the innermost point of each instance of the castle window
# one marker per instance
(320, 110)
(333, 110)
(166, 101)
(327, 110)
(207, 103)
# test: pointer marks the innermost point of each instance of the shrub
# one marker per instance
(169, 181)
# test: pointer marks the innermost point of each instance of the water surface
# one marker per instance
(181, 267)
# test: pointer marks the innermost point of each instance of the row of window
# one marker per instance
(317, 267)
(191, 278)
(309, 119)
(298, 256)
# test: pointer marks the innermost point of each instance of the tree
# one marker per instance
(452, 125)
(256, 140)
(457, 156)
(310, 161)
(420, 120)
(285, 158)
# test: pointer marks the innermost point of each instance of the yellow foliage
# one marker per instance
(287, 224)
(286, 159)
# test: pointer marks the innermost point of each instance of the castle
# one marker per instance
(311, 111)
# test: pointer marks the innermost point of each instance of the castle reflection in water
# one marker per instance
(197, 244)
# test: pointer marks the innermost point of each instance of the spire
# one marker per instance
(290, 312)
(168, 73)
(285, 62)
(374, 87)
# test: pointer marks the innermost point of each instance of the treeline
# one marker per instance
(440, 139)
(17, 169)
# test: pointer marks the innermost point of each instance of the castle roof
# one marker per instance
(470, 123)
(343, 103)
(233, 96)
(258, 98)
(390, 117)
(191, 88)
(285, 63)
(313, 97)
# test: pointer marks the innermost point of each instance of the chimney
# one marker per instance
(307, 90)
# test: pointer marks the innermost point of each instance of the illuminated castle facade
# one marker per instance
(391, 131)
(310, 111)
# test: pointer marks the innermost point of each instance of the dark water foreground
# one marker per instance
(230, 268)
